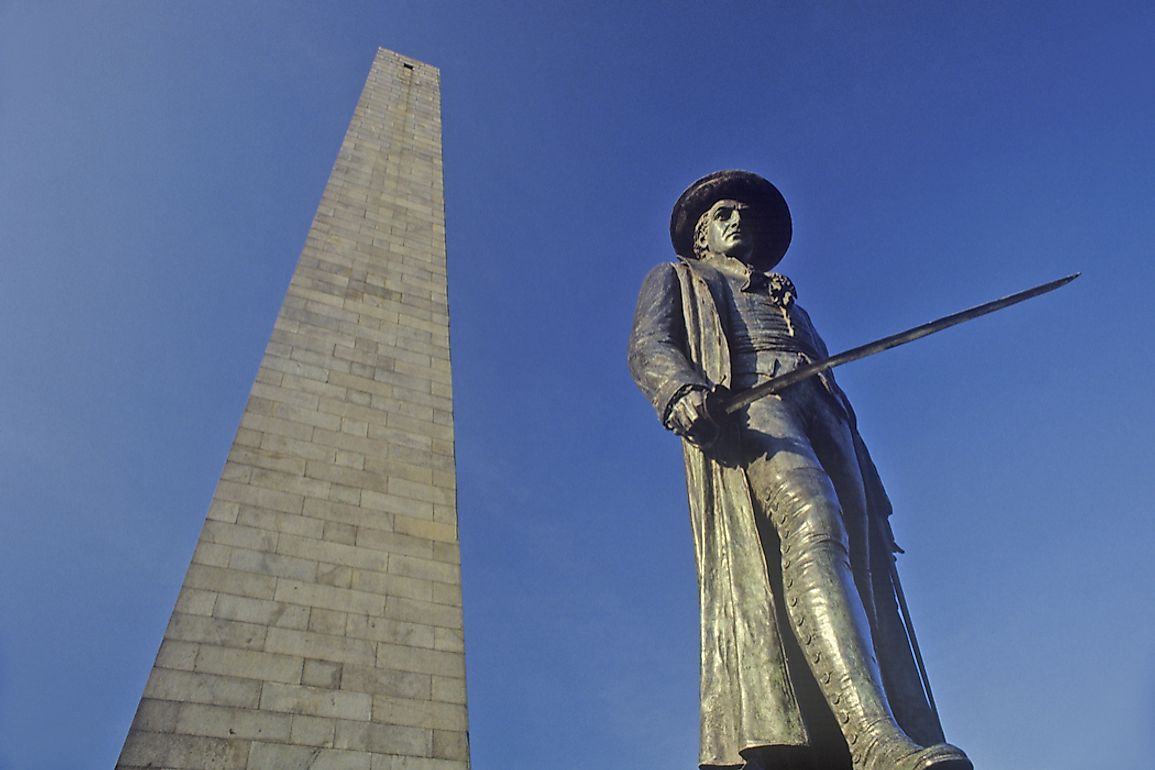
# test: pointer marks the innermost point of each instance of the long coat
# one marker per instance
(752, 693)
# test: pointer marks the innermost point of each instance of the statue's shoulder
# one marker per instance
(686, 267)
(661, 275)
(682, 276)
(674, 272)
(665, 268)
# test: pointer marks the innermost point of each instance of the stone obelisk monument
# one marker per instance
(319, 625)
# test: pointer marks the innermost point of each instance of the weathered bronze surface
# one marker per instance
(806, 659)
(732, 402)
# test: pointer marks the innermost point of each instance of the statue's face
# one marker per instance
(731, 229)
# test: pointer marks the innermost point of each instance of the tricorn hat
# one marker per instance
(743, 186)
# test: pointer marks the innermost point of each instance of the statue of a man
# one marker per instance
(806, 662)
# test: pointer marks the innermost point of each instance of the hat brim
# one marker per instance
(744, 186)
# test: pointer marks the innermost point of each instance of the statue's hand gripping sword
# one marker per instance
(722, 402)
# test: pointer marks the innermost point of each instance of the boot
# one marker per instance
(880, 752)
(830, 624)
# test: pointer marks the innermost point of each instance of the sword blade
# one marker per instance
(736, 401)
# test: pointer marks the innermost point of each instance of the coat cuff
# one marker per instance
(683, 390)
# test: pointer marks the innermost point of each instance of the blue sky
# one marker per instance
(159, 168)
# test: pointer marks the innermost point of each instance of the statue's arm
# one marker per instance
(658, 359)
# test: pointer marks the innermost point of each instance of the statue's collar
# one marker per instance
(734, 269)
(779, 287)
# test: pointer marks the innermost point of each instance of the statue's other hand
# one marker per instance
(691, 419)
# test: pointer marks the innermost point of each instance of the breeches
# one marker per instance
(804, 475)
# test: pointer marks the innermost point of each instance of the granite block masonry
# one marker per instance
(319, 624)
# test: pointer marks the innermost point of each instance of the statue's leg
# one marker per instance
(822, 600)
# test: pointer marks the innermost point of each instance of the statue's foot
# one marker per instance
(940, 756)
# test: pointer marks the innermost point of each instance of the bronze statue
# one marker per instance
(806, 660)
